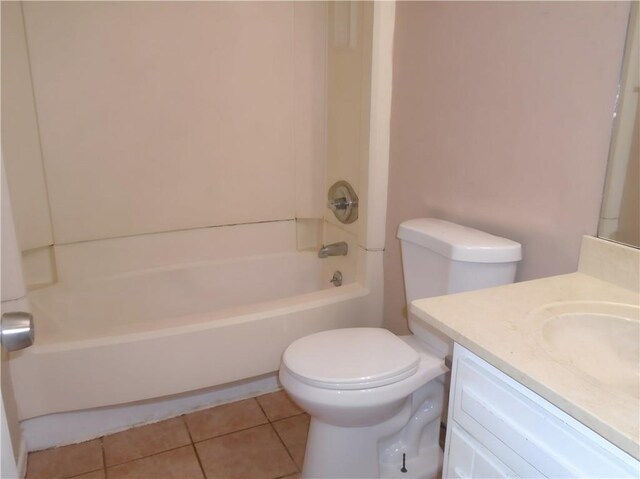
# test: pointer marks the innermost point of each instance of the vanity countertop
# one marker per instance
(501, 326)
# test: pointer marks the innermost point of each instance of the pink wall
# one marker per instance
(501, 120)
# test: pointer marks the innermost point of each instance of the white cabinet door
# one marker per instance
(518, 432)
(468, 458)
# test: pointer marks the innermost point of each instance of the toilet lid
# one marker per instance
(352, 358)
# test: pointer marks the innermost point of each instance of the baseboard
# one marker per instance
(61, 429)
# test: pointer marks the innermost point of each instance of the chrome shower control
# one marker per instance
(16, 330)
(339, 204)
(334, 249)
(343, 201)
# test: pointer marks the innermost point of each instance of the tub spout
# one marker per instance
(333, 249)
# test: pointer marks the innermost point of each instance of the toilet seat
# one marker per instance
(350, 359)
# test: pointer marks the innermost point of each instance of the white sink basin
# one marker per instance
(597, 339)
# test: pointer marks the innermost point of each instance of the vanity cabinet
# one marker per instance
(499, 428)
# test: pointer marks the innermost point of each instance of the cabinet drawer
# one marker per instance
(468, 459)
(524, 431)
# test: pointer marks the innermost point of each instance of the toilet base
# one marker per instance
(376, 451)
(350, 463)
(426, 465)
(335, 452)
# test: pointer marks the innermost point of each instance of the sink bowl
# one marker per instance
(597, 339)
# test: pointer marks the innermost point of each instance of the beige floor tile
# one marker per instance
(92, 475)
(254, 453)
(179, 463)
(66, 461)
(278, 405)
(143, 441)
(225, 419)
(293, 431)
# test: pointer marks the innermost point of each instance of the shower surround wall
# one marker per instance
(162, 116)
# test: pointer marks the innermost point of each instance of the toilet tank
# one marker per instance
(439, 257)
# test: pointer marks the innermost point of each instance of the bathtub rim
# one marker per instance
(199, 321)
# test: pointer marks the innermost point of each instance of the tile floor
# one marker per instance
(256, 438)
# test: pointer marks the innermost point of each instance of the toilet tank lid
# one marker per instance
(459, 242)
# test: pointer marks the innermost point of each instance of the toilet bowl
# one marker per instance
(376, 399)
(361, 387)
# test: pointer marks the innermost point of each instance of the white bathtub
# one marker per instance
(129, 335)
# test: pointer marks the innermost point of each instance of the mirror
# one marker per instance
(620, 214)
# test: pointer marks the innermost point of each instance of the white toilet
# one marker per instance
(376, 399)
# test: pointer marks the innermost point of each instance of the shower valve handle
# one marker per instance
(343, 201)
(340, 204)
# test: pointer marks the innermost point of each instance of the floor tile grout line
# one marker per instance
(186, 425)
(270, 423)
(229, 433)
(102, 468)
(226, 433)
(193, 444)
(81, 474)
(288, 417)
(262, 409)
(148, 455)
(286, 448)
(278, 436)
(276, 419)
(195, 451)
(106, 466)
(104, 456)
